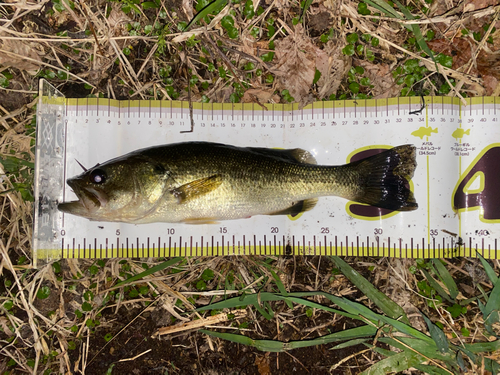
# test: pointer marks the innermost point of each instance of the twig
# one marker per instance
(196, 324)
(191, 118)
(135, 357)
(85, 13)
(348, 358)
(228, 63)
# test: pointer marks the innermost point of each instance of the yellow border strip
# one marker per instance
(351, 250)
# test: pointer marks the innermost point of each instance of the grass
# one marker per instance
(420, 315)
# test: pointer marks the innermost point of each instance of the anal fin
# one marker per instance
(200, 220)
(297, 208)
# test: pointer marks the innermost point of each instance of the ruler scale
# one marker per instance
(455, 184)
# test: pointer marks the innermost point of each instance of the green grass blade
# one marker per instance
(253, 299)
(384, 8)
(150, 271)
(354, 309)
(416, 31)
(481, 347)
(304, 10)
(490, 272)
(266, 311)
(446, 278)
(491, 366)
(349, 343)
(281, 288)
(394, 364)
(352, 333)
(431, 370)
(240, 339)
(209, 9)
(420, 346)
(493, 317)
(278, 346)
(437, 335)
(493, 300)
(435, 285)
(404, 328)
(384, 303)
(384, 352)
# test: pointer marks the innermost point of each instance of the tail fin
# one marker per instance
(384, 178)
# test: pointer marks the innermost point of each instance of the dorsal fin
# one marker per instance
(290, 155)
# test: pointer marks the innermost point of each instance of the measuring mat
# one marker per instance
(456, 183)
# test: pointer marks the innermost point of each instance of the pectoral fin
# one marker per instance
(196, 188)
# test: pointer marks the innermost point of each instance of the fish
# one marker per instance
(204, 182)
(459, 133)
(424, 131)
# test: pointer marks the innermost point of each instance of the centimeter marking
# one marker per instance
(236, 111)
(271, 245)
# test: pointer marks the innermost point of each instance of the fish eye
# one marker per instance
(98, 176)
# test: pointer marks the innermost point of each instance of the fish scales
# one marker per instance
(253, 182)
(202, 182)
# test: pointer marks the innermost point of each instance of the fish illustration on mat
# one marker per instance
(424, 131)
(203, 182)
(459, 133)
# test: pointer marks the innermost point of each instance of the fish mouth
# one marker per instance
(89, 200)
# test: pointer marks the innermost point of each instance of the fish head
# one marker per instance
(119, 190)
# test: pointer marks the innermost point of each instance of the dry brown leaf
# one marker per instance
(490, 85)
(478, 4)
(15, 59)
(296, 56)
(381, 78)
(462, 49)
(118, 20)
(262, 363)
(248, 44)
(259, 95)
(187, 7)
(333, 66)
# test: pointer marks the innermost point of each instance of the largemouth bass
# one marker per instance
(202, 182)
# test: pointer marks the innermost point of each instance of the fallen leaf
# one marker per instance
(320, 22)
(262, 363)
(381, 78)
(259, 95)
(470, 5)
(187, 7)
(296, 56)
(461, 49)
(333, 66)
(118, 20)
(490, 84)
(18, 49)
(296, 65)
